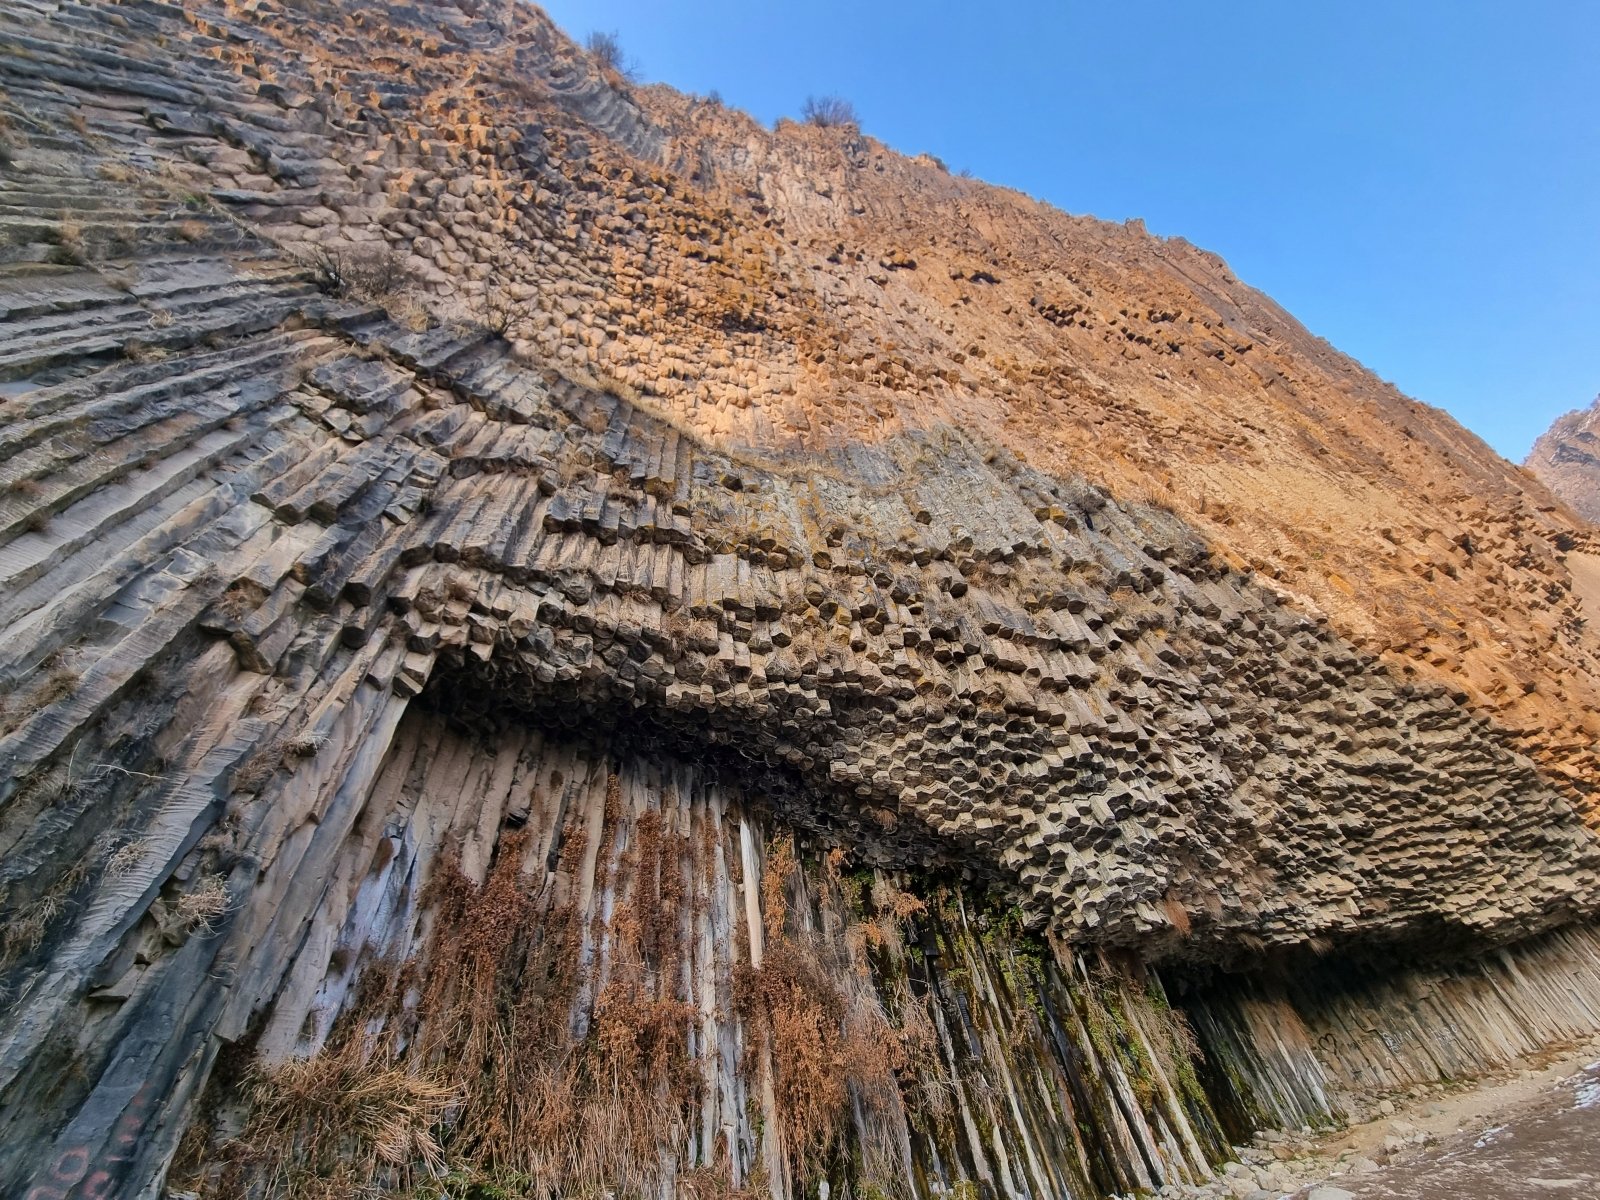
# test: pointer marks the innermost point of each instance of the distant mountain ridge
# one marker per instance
(1566, 459)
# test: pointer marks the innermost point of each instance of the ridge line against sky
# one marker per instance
(1418, 181)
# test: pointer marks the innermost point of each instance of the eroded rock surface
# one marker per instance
(800, 501)
(1566, 459)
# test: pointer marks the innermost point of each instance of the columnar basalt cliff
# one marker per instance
(553, 640)
(1566, 459)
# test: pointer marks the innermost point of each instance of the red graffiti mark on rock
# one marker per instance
(70, 1175)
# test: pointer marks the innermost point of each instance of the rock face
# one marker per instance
(529, 607)
(1566, 459)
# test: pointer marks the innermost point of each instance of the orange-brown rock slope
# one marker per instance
(530, 604)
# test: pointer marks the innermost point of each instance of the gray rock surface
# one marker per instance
(285, 574)
(1566, 459)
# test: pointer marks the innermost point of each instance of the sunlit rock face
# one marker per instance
(530, 606)
(1566, 459)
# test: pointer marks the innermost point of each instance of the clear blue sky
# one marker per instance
(1417, 180)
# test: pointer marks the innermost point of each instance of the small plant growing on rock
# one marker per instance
(494, 311)
(329, 1123)
(367, 272)
(254, 772)
(235, 604)
(201, 909)
(306, 745)
(126, 857)
(69, 241)
(606, 50)
(25, 930)
(58, 685)
(141, 352)
(829, 112)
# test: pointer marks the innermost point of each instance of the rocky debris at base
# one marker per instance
(1276, 1165)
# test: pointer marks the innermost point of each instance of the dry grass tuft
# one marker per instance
(24, 930)
(236, 603)
(461, 587)
(58, 685)
(373, 273)
(306, 745)
(126, 857)
(325, 1127)
(252, 774)
(70, 249)
(199, 910)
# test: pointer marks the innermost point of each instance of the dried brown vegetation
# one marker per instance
(829, 112)
(70, 250)
(24, 928)
(236, 603)
(327, 1127)
(815, 1008)
(550, 1046)
(374, 273)
(305, 746)
(200, 909)
(17, 708)
(126, 857)
(253, 773)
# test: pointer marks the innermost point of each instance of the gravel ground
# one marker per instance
(1548, 1145)
(1524, 1135)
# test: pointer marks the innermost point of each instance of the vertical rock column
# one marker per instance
(601, 969)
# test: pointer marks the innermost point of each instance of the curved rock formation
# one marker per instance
(530, 606)
(1566, 459)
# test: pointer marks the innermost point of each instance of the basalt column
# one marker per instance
(529, 604)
